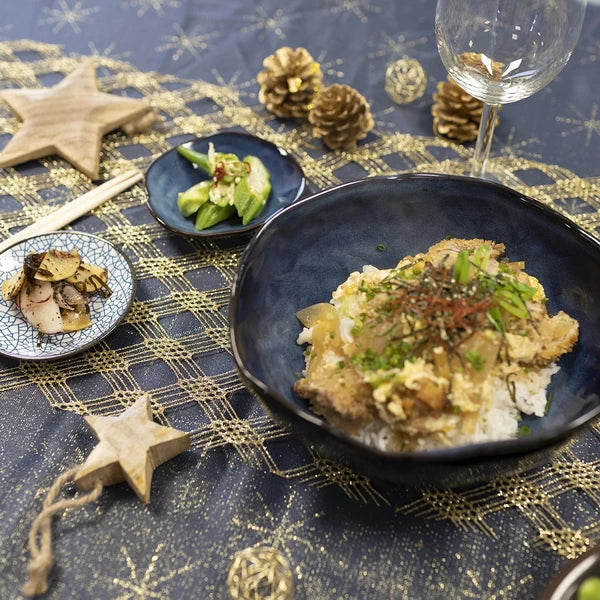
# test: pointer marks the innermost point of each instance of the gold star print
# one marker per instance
(263, 22)
(581, 123)
(148, 584)
(182, 41)
(398, 47)
(66, 14)
(516, 150)
(131, 447)
(357, 7)
(278, 532)
(144, 5)
(68, 119)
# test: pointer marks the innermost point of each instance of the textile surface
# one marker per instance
(246, 481)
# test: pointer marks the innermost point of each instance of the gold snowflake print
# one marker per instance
(263, 22)
(358, 8)
(515, 150)
(67, 15)
(278, 532)
(395, 47)
(143, 6)
(592, 51)
(108, 52)
(581, 123)
(147, 584)
(181, 41)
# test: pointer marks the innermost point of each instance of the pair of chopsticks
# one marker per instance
(76, 208)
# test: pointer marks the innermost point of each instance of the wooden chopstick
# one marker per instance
(76, 208)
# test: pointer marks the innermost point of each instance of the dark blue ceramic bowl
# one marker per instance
(170, 174)
(301, 255)
(564, 585)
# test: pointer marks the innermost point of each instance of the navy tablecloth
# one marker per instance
(246, 482)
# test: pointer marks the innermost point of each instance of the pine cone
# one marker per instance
(289, 81)
(456, 114)
(481, 64)
(340, 116)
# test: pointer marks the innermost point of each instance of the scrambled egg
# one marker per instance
(419, 347)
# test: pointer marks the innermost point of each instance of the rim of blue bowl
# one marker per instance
(572, 573)
(206, 233)
(107, 331)
(482, 450)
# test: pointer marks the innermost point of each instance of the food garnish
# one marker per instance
(236, 186)
(52, 290)
(451, 346)
(589, 589)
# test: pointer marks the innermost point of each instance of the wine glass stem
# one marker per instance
(484, 139)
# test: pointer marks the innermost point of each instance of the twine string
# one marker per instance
(42, 557)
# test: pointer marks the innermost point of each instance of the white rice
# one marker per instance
(500, 421)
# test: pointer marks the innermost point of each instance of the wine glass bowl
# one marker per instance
(501, 51)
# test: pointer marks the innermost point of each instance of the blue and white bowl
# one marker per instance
(18, 339)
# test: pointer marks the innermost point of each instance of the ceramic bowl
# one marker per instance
(301, 255)
(170, 174)
(564, 585)
(18, 339)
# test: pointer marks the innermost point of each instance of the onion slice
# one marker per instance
(39, 308)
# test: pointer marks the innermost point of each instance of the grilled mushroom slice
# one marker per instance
(92, 277)
(57, 265)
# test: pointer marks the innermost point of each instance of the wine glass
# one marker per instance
(500, 51)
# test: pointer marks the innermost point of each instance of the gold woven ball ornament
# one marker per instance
(289, 81)
(260, 573)
(340, 116)
(456, 114)
(405, 80)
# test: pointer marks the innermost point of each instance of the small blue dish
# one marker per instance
(18, 339)
(301, 255)
(170, 174)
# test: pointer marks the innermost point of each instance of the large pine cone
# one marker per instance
(340, 116)
(289, 81)
(456, 114)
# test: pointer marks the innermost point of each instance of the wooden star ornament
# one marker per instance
(131, 446)
(68, 119)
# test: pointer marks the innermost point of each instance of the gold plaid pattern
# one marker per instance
(536, 496)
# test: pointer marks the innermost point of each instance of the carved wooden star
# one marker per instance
(131, 446)
(68, 119)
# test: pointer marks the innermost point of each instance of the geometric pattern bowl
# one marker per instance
(18, 339)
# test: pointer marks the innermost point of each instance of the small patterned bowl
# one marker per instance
(301, 255)
(18, 339)
(170, 174)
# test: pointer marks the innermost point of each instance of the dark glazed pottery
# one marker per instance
(563, 586)
(170, 174)
(301, 255)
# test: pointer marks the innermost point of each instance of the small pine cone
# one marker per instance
(340, 116)
(456, 114)
(481, 64)
(289, 81)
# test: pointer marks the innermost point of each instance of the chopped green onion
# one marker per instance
(482, 257)
(524, 430)
(462, 267)
(475, 359)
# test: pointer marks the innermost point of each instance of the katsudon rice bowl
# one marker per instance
(460, 389)
(451, 346)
